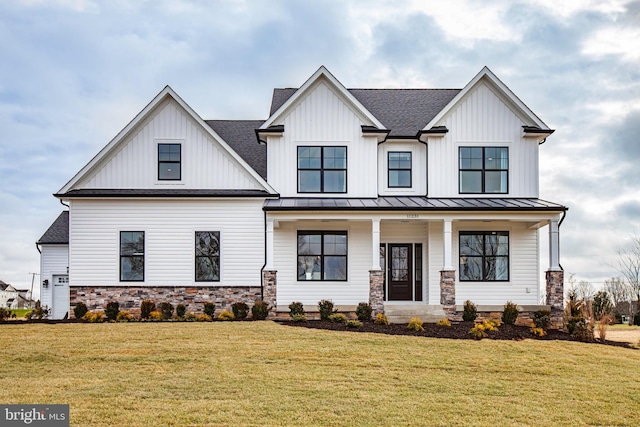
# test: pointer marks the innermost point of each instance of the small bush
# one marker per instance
(299, 318)
(5, 314)
(202, 317)
(146, 307)
(190, 317)
(296, 307)
(469, 312)
(510, 313)
(209, 309)
(181, 309)
(123, 316)
(166, 308)
(353, 323)
(226, 315)
(80, 310)
(39, 312)
(260, 310)
(111, 311)
(491, 325)
(381, 319)
(155, 316)
(444, 322)
(91, 317)
(539, 332)
(325, 307)
(583, 331)
(542, 319)
(338, 318)
(478, 331)
(603, 325)
(363, 311)
(240, 310)
(415, 324)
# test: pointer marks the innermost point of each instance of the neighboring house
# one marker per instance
(413, 200)
(10, 297)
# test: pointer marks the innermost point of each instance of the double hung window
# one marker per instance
(132, 256)
(399, 169)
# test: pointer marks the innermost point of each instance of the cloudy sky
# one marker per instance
(73, 73)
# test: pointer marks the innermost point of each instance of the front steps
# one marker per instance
(402, 313)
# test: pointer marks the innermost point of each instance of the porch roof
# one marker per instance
(404, 203)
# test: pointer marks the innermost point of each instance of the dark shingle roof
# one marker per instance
(403, 111)
(58, 232)
(241, 136)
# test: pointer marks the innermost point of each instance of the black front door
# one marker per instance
(400, 272)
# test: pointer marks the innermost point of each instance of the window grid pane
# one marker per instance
(322, 169)
(169, 162)
(322, 255)
(399, 169)
(484, 256)
(207, 258)
(483, 170)
(132, 256)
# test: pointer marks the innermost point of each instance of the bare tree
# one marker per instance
(628, 265)
(585, 290)
(617, 289)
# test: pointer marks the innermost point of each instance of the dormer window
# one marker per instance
(322, 169)
(169, 162)
(399, 169)
(484, 170)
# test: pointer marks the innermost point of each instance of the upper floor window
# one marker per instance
(322, 255)
(207, 256)
(169, 162)
(399, 169)
(484, 256)
(322, 169)
(484, 169)
(132, 256)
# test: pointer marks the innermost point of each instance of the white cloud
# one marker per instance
(623, 42)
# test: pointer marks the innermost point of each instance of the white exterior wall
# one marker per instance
(418, 168)
(482, 119)
(322, 118)
(351, 292)
(169, 227)
(54, 260)
(134, 164)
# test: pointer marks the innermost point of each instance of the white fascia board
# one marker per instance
(141, 116)
(486, 73)
(322, 72)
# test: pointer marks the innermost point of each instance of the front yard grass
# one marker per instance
(264, 374)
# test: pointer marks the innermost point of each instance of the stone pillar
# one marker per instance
(448, 291)
(269, 288)
(555, 296)
(376, 291)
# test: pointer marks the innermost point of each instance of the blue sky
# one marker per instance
(73, 73)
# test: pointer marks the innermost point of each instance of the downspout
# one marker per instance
(64, 204)
(264, 215)
(564, 214)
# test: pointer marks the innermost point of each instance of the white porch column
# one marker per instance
(269, 246)
(554, 246)
(375, 244)
(448, 254)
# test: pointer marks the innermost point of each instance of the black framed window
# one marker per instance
(169, 162)
(484, 170)
(322, 169)
(132, 256)
(399, 169)
(322, 255)
(207, 262)
(484, 256)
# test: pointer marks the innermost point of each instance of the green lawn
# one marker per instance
(20, 312)
(264, 374)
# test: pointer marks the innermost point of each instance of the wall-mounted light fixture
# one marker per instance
(45, 283)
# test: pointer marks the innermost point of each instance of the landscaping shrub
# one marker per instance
(155, 316)
(603, 324)
(209, 309)
(583, 331)
(491, 325)
(478, 331)
(146, 307)
(542, 319)
(203, 318)
(91, 317)
(299, 318)
(338, 318)
(353, 323)
(112, 310)
(574, 320)
(240, 310)
(415, 324)
(260, 310)
(166, 308)
(5, 314)
(469, 312)
(226, 315)
(190, 317)
(181, 309)
(539, 332)
(381, 319)
(80, 310)
(363, 311)
(444, 322)
(601, 304)
(123, 316)
(39, 312)
(296, 307)
(510, 313)
(325, 307)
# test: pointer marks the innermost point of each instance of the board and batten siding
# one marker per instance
(323, 118)
(418, 168)
(169, 227)
(53, 261)
(482, 119)
(204, 162)
(351, 292)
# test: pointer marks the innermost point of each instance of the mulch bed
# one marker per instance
(457, 330)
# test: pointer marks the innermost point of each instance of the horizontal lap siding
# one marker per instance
(54, 261)
(353, 291)
(436, 260)
(169, 228)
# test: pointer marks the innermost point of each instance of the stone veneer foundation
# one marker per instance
(270, 286)
(555, 296)
(376, 291)
(193, 297)
(448, 293)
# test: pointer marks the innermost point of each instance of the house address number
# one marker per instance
(413, 216)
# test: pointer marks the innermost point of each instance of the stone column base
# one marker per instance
(448, 292)
(269, 289)
(376, 291)
(555, 297)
